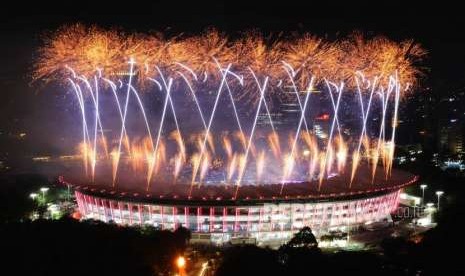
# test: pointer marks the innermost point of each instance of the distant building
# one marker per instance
(451, 139)
(286, 113)
(321, 126)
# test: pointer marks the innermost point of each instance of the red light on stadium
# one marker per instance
(76, 215)
(323, 117)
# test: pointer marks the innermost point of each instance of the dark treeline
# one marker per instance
(70, 247)
(15, 203)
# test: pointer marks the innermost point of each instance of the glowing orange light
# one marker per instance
(181, 262)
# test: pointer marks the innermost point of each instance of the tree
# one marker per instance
(15, 202)
(70, 247)
(249, 260)
(304, 238)
(184, 233)
(182, 236)
(301, 252)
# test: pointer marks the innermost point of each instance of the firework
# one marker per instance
(228, 91)
(232, 167)
(88, 49)
(260, 163)
(227, 146)
(273, 141)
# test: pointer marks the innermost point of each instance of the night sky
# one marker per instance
(24, 107)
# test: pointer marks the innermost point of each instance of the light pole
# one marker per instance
(423, 187)
(43, 190)
(439, 194)
(33, 196)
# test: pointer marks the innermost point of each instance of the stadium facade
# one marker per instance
(263, 219)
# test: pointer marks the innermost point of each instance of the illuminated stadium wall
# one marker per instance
(263, 221)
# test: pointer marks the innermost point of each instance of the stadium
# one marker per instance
(231, 138)
(258, 214)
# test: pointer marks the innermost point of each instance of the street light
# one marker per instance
(181, 264)
(429, 208)
(44, 190)
(33, 196)
(439, 194)
(423, 187)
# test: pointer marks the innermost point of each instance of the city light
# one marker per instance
(181, 265)
(44, 190)
(180, 262)
(439, 194)
(423, 187)
(204, 269)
